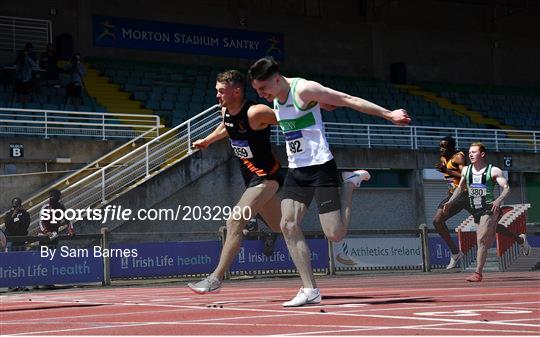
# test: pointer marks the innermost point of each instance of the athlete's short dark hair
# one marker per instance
(232, 77)
(263, 69)
(451, 141)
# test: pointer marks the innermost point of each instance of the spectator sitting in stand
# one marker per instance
(48, 227)
(24, 65)
(75, 86)
(48, 62)
(17, 222)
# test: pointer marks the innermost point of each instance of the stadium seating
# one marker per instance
(174, 92)
(50, 95)
(424, 113)
(511, 106)
(177, 92)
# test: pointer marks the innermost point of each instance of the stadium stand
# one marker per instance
(512, 106)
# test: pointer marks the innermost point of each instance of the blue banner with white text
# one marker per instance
(439, 253)
(64, 266)
(166, 259)
(115, 32)
(252, 258)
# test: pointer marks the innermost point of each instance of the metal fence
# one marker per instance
(135, 167)
(422, 137)
(15, 32)
(49, 123)
(148, 160)
(42, 195)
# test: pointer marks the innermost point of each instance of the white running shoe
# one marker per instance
(454, 259)
(304, 296)
(355, 177)
(525, 247)
(207, 285)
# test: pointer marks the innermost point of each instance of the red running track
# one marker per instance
(413, 304)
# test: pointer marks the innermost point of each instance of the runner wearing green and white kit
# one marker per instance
(479, 179)
(312, 169)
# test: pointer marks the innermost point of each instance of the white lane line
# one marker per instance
(335, 332)
(416, 327)
(302, 310)
(142, 293)
(289, 312)
(216, 297)
(80, 329)
(381, 300)
(347, 327)
(439, 319)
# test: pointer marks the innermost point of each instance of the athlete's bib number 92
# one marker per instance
(295, 142)
(295, 146)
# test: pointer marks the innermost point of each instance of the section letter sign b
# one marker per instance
(16, 150)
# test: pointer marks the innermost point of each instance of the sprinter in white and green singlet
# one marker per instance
(312, 170)
(479, 179)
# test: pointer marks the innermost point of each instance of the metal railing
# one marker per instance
(15, 32)
(148, 160)
(422, 137)
(135, 167)
(95, 165)
(47, 123)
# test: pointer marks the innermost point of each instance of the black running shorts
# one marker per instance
(319, 181)
(251, 179)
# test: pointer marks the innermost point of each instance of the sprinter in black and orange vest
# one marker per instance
(247, 125)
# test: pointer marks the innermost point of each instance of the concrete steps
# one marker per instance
(522, 262)
(110, 96)
(492, 262)
(527, 263)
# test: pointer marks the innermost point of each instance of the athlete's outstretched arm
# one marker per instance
(260, 116)
(219, 133)
(497, 175)
(310, 91)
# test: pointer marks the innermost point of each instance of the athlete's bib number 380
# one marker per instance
(477, 192)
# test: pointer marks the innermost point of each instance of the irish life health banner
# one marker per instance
(113, 32)
(377, 252)
(32, 268)
(251, 257)
(166, 259)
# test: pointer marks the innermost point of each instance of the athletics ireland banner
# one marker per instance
(114, 32)
(378, 253)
